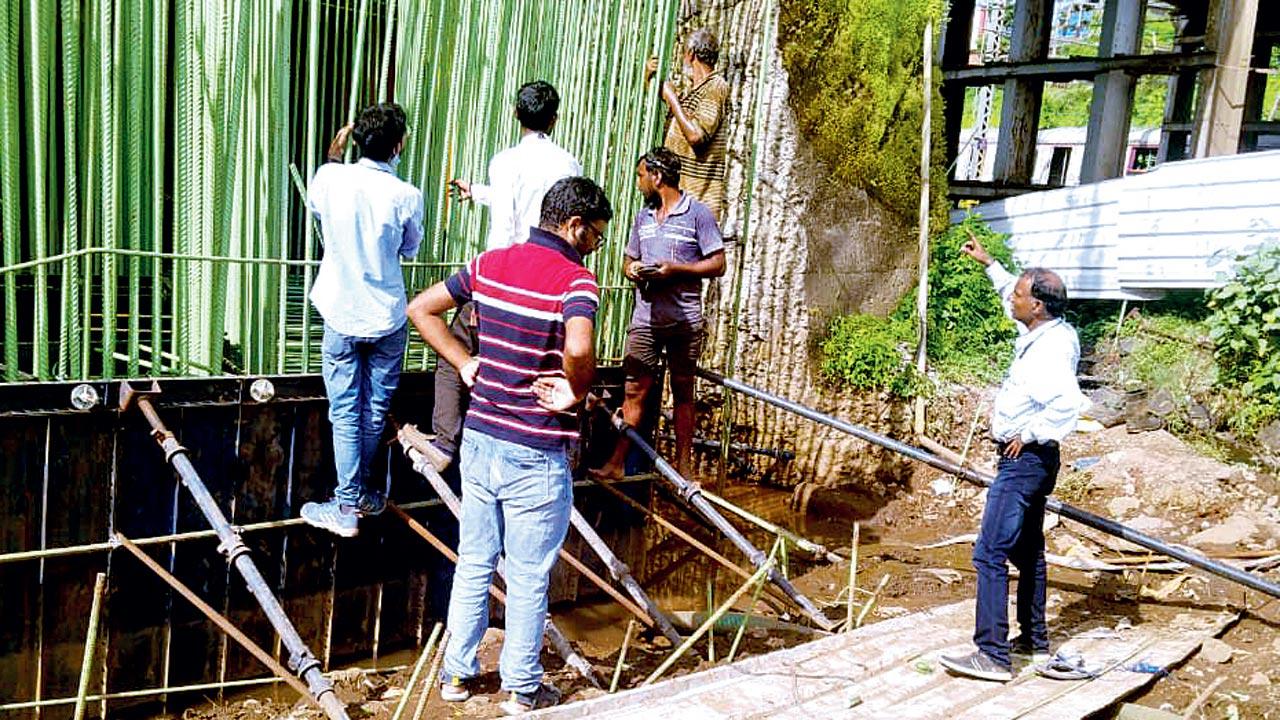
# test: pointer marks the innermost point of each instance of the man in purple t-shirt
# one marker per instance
(675, 243)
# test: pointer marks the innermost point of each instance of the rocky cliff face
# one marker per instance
(803, 250)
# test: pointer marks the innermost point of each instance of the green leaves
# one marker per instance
(1244, 325)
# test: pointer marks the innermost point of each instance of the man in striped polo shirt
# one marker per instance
(536, 306)
(675, 243)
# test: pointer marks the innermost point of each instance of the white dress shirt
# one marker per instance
(369, 218)
(518, 179)
(1040, 401)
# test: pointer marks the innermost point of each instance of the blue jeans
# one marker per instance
(1013, 530)
(517, 500)
(360, 375)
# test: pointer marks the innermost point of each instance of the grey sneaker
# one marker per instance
(372, 503)
(454, 688)
(339, 519)
(977, 664)
(520, 703)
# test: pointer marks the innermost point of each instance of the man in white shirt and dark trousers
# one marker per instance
(369, 219)
(519, 177)
(1037, 406)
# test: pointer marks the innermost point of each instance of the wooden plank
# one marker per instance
(877, 665)
(1062, 70)
(198, 646)
(145, 492)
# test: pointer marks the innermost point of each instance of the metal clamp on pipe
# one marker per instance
(237, 551)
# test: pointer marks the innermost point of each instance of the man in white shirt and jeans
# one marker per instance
(519, 178)
(1037, 406)
(369, 219)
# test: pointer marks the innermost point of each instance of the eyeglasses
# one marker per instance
(599, 234)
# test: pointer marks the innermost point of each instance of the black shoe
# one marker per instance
(520, 703)
(977, 664)
(372, 503)
(1023, 650)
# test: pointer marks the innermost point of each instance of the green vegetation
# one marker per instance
(1245, 328)
(969, 333)
(856, 71)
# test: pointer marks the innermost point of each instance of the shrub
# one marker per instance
(868, 352)
(1244, 325)
(969, 332)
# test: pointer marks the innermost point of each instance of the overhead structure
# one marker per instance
(1217, 68)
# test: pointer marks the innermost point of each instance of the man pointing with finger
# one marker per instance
(1037, 406)
(535, 357)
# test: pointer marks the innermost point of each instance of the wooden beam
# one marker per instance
(1107, 140)
(1068, 69)
(1020, 112)
(983, 191)
(1230, 36)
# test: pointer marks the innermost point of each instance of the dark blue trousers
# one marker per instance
(1012, 530)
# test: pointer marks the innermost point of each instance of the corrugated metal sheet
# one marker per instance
(1182, 225)
(1177, 227)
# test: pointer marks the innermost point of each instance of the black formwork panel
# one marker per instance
(68, 479)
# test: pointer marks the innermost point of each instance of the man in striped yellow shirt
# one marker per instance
(696, 128)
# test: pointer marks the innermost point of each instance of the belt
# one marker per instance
(1046, 445)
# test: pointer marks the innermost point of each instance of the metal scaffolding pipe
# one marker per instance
(692, 494)
(552, 631)
(301, 660)
(1110, 527)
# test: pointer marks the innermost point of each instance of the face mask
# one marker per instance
(394, 162)
(688, 70)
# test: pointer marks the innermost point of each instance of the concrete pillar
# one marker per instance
(1229, 34)
(955, 54)
(1112, 108)
(1020, 113)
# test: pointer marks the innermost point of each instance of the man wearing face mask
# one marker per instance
(369, 219)
(1037, 406)
(696, 130)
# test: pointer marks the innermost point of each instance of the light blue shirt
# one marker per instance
(1040, 400)
(369, 218)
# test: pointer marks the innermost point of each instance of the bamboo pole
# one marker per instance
(922, 291)
(818, 550)
(218, 619)
(853, 577)
(410, 438)
(417, 672)
(758, 577)
(429, 681)
(622, 656)
(90, 644)
(685, 536)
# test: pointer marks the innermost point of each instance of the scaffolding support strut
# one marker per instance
(301, 659)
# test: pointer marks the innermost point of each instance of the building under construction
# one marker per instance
(154, 230)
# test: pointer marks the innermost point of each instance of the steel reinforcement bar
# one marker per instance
(1110, 527)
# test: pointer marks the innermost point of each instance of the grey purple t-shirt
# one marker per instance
(689, 234)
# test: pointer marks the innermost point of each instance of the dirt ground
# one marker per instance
(1151, 480)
